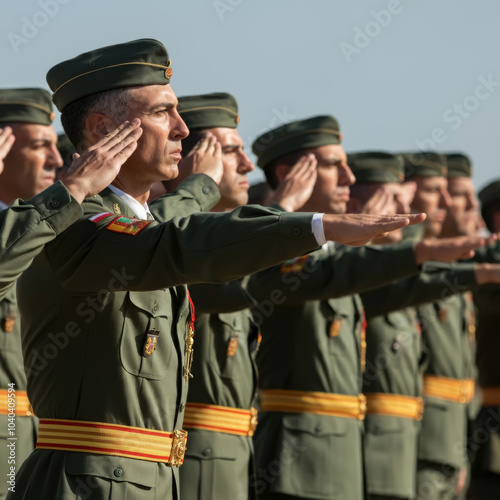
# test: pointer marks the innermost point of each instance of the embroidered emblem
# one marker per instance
(151, 342)
(116, 209)
(127, 225)
(294, 265)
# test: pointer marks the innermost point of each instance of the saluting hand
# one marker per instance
(6, 141)
(450, 249)
(204, 158)
(360, 229)
(297, 186)
(99, 165)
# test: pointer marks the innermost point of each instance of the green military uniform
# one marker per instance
(95, 338)
(392, 379)
(485, 440)
(24, 228)
(219, 458)
(309, 439)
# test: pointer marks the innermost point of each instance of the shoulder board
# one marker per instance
(127, 225)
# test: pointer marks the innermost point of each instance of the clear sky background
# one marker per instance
(397, 74)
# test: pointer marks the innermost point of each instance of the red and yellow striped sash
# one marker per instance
(112, 439)
(220, 419)
(449, 389)
(320, 403)
(18, 404)
(395, 405)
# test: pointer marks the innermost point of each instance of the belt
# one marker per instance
(395, 405)
(220, 419)
(320, 403)
(491, 396)
(449, 389)
(112, 439)
(15, 402)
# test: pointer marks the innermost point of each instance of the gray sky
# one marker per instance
(397, 74)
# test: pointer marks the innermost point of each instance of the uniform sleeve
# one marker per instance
(325, 275)
(202, 248)
(25, 227)
(221, 298)
(197, 193)
(437, 281)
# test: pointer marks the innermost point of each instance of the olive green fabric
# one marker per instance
(23, 438)
(296, 311)
(376, 166)
(392, 367)
(217, 465)
(138, 62)
(445, 332)
(66, 149)
(489, 194)
(26, 106)
(294, 136)
(209, 111)
(425, 164)
(436, 482)
(459, 165)
(27, 225)
(107, 289)
(197, 193)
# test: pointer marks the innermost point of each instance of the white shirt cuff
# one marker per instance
(317, 228)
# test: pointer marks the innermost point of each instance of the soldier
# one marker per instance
(107, 324)
(312, 349)
(219, 415)
(29, 113)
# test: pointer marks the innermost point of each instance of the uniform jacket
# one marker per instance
(84, 336)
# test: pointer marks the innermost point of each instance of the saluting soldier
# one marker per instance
(219, 415)
(29, 167)
(31, 159)
(108, 347)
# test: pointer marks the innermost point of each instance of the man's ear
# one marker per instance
(99, 125)
(281, 171)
